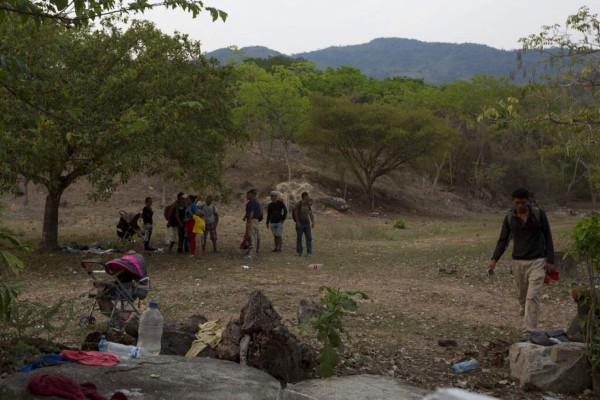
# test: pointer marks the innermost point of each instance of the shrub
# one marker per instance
(399, 224)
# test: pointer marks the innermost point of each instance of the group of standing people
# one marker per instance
(190, 223)
(276, 215)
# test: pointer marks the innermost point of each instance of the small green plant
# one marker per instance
(329, 324)
(399, 224)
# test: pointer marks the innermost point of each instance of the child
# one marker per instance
(199, 226)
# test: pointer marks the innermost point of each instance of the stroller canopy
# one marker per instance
(133, 265)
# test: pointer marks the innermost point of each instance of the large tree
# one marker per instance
(103, 105)
(375, 140)
(273, 103)
(573, 104)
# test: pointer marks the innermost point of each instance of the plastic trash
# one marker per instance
(314, 266)
(150, 330)
(465, 366)
(122, 350)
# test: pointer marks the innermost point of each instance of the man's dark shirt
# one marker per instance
(147, 215)
(276, 211)
(253, 205)
(531, 240)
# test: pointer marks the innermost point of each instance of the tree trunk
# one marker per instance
(26, 196)
(438, 170)
(50, 229)
(287, 159)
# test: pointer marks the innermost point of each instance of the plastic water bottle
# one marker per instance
(150, 331)
(314, 266)
(122, 350)
(465, 366)
(103, 346)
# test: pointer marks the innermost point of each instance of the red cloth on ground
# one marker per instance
(90, 391)
(55, 385)
(67, 388)
(91, 357)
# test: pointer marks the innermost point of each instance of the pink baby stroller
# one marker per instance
(115, 297)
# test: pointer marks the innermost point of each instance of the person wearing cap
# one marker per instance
(211, 217)
(276, 214)
(252, 217)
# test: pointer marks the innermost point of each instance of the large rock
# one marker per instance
(307, 309)
(229, 347)
(357, 387)
(337, 203)
(273, 348)
(177, 338)
(562, 368)
(159, 378)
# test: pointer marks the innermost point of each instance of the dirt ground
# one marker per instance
(426, 283)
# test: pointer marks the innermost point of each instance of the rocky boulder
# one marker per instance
(268, 345)
(337, 203)
(159, 378)
(177, 338)
(357, 387)
(307, 309)
(562, 368)
(229, 347)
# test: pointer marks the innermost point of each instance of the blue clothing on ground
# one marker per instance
(45, 360)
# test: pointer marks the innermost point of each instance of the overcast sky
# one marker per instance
(294, 26)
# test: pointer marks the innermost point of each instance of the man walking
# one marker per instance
(211, 217)
(252, 217)
(305, 220)
(533, 254)
(276, 214)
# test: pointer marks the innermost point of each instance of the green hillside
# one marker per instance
(436, 63)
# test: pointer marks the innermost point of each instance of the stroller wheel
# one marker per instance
(84, 322)
(115, 324)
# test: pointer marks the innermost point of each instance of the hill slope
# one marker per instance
(436, 63)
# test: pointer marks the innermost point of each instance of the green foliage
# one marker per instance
(329, 324)
(81, 12)
(586, 240)
(27, 318)
(118, 102)
(586, 246)
(572, 104)
(13, 263)
(399, 224)
(375, 140)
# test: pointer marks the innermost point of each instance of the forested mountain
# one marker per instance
(387, 57)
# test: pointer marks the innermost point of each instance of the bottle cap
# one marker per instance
(153, 304)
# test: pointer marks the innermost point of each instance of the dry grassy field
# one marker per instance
(426, 283)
